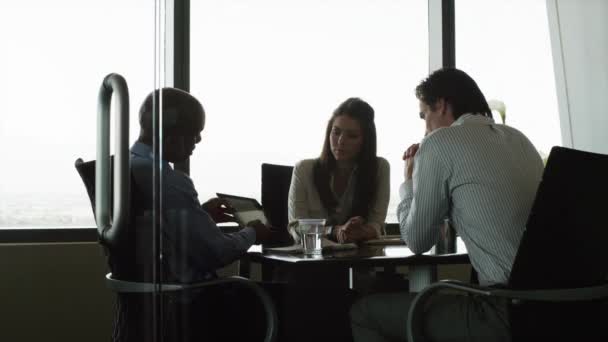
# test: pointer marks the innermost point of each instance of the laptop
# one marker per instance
(249, 209)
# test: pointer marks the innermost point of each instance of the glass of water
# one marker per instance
(311, 232)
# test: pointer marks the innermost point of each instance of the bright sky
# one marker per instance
(269, 73)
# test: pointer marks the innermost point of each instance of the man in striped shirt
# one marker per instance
(481, 175)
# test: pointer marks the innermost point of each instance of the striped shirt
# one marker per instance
(483, 177)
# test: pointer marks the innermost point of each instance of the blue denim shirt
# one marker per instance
(193, 245)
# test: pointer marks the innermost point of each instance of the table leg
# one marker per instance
(244, 267)
(268, 272)
(420, 276)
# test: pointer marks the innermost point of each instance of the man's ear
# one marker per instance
(447, 111)
(442, 106)
(171, 138)
(169, 142)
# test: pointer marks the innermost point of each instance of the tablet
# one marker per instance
(246, 209)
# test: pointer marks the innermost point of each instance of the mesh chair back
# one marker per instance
(86, 170)
(276, 180)
(122, 246)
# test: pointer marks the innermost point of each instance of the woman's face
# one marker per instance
(345, 138)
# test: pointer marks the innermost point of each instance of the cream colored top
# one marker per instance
(304, 200)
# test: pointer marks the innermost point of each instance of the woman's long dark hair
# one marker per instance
(367, 161)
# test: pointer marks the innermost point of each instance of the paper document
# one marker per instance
(388, 240)
(326, 244)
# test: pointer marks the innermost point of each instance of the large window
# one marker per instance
(54, 57)
(505, 47)
(271, 72)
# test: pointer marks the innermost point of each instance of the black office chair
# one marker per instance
(130, 254)
(276, 180)
(558, 285)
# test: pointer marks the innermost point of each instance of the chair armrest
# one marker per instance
(122, 286)
(544, 295)
(415, 314)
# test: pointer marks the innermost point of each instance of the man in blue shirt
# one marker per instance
(193, 245)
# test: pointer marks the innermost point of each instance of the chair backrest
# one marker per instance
(129, 244)
(566, 239)
(113, 235)
(276, 180)
(564, 246)
(86, 170)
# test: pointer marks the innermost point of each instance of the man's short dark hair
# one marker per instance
(456, 88)
(182, 112)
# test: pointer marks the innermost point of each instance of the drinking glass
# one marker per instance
(312, 232)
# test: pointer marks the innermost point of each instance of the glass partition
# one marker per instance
(55, 56)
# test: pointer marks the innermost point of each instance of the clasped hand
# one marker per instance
(408, 156)
(354, 230)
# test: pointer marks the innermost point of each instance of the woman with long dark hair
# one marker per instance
(348, 185)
